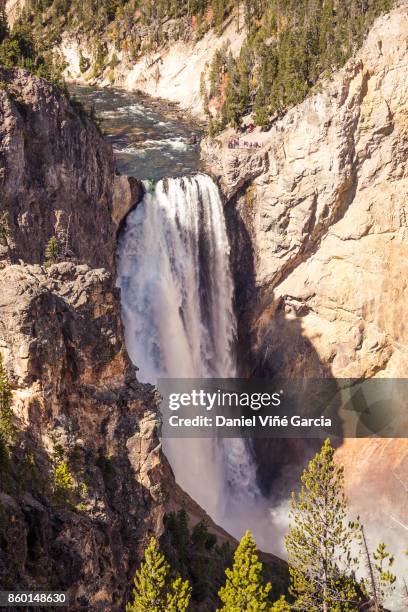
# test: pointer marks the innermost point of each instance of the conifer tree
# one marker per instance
(244, 588)
(154, 591)
(320, 539)
(6, 413)
(233, 99)
(52, 251)
(380, 581)
(385, 578)
(7, 429)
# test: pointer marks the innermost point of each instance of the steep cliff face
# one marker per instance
(317, 219)
(86, 481)
(77, 404)
(56, 177)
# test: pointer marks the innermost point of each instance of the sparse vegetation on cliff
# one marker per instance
(4, 231)
(63, 482)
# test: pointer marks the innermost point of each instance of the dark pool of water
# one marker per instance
(151, 139)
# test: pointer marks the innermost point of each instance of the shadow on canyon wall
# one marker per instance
(274, 348)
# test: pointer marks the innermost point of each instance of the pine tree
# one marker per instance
(385, 578)
(7, 429)
(320, 539)
(154, 591)
(219, 10)
(6, 413)
(261, 108)
(234, 103)
(380, 581)
(244, 588)
(52, 251)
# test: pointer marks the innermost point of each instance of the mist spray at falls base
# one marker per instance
(177, 294)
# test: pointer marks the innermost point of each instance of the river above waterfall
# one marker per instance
(151, 138)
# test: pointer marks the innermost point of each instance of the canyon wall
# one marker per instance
(318, 224)
(79, 410)
(172, 71)
(13, 8)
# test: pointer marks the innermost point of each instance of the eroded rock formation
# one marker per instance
(77, 403)
(318, 223)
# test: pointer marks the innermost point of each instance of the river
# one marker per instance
(150, 138)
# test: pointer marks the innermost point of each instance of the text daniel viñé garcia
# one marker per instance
(220, 399)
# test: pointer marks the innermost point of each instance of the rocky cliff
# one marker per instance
(56, 176)
(86, 481)
(13, 8)
(317, 218)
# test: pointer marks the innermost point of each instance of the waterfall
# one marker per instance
(177, 307)
(176, 284)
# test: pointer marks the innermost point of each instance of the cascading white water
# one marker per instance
(176, 284)
(177, 294)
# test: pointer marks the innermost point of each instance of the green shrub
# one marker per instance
(21, 48)
(4, 230)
